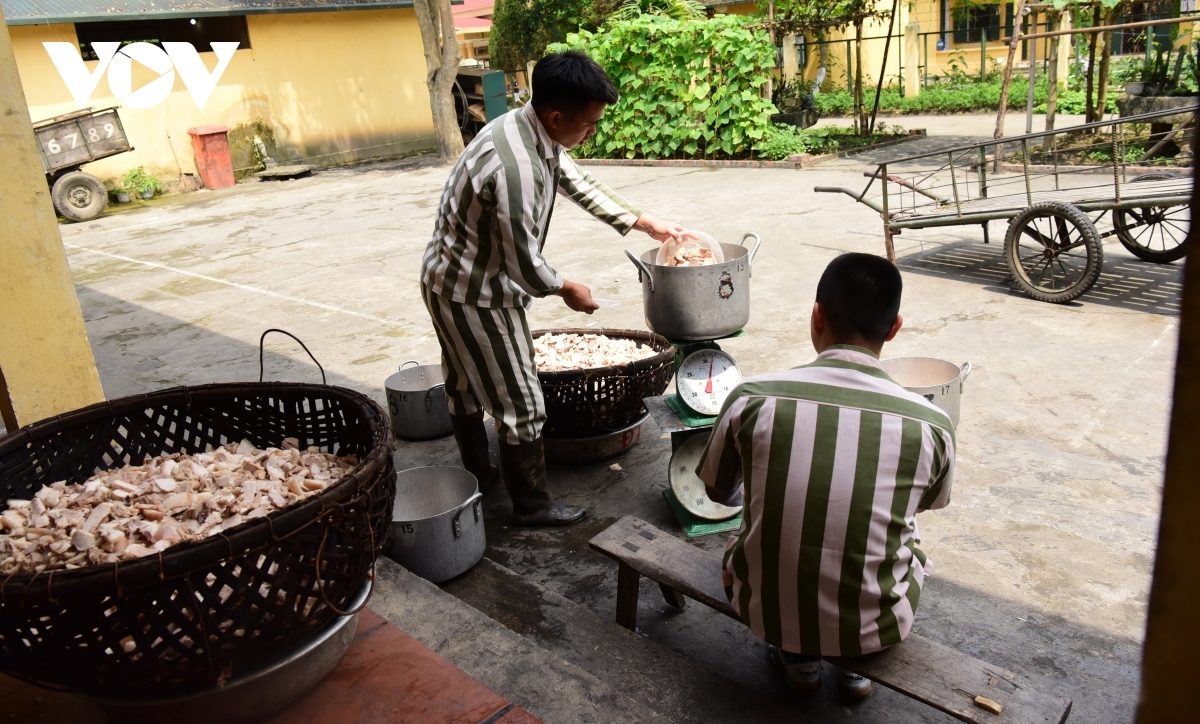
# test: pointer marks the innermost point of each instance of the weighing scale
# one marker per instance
(704, 376)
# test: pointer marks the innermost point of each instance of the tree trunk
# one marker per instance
(1013, 44)
(436, 21)
(860, 110)
(1052, 86)
(1105, 65)
(1090, 112)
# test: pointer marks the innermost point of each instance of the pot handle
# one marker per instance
(642, 268)
(429, 396)
(753, 252)
(965, 371)
(459, 511)
(409, 362)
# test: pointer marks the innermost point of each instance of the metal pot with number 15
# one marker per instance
(437, 522)
(416, 400)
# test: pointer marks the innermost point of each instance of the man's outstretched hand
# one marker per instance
(658, 230)
(577, 297)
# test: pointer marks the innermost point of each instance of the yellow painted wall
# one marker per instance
(329, 87)
(44, 351)
(926, 14)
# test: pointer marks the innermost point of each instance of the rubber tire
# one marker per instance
(1092, 244)
(1127, 241)
(72, 187)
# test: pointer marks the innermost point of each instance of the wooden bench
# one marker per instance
(946, 679)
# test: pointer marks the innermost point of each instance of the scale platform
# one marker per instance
(694, 527)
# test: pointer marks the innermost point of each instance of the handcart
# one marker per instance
(69, 141)
(1052, 187)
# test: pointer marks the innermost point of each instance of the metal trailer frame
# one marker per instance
(1150, 201)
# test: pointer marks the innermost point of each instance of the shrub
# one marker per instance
(138, 179)
(957, 95)
(779, 142)
(688, 87)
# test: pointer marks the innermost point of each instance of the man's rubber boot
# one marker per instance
(471, 436)
(524, 468)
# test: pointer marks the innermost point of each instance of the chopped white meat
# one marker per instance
(140, 510)
(557, 352)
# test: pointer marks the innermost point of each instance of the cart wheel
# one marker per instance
(79, 196)
(1053, 251)
(1154, 234)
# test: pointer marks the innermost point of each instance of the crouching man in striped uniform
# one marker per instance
(836, 460)
(484, 266)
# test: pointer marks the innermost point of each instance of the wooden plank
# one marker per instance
(927, 671)
(672, 597)
(628, 580)
(666, 560)
(950, 680)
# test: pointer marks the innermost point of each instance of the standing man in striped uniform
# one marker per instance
(834, 460)
(484, 266)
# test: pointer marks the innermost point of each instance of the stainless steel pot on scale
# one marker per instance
(696, 303)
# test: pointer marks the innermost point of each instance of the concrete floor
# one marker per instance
(1042, 560)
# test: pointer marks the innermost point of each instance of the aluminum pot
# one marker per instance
(416, 400)
(690, 303)
(937, 380)
(437, 522)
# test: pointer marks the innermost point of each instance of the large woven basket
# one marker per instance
(584, 403)
(199, 613)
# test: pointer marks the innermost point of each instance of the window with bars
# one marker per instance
(973, 21)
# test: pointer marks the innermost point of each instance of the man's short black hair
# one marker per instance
(860, 294)
(568, 81)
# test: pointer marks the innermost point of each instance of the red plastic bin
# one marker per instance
(210, 145)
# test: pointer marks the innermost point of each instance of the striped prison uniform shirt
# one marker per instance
(486, 249)
(484, 265)
(836, 459)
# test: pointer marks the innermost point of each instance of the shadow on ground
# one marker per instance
(1098, 670)
(1125, 282)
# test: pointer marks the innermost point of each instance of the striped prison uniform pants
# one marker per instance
(488, 363)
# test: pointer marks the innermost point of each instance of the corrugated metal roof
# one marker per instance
(44, 12)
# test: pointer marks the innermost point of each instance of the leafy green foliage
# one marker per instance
(802, 15)
(138, 179)
(521, 29)
(677, 9)
(689, 88)
(779, 142)
(953, 96)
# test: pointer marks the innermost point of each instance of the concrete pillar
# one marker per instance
(791, 59)
(1064, 51)
(912, 60)
(45, 357)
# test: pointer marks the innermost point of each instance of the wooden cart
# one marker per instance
(69, 141)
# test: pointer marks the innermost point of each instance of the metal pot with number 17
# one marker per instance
(696, 303)
(416, 400)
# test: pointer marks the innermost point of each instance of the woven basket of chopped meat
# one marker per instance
(594, 380)
(157, 546)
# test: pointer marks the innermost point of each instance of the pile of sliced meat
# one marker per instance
(139, 510)
(557, 352)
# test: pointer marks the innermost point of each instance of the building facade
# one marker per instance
(318, 83)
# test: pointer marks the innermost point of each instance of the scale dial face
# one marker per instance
(705, 379)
